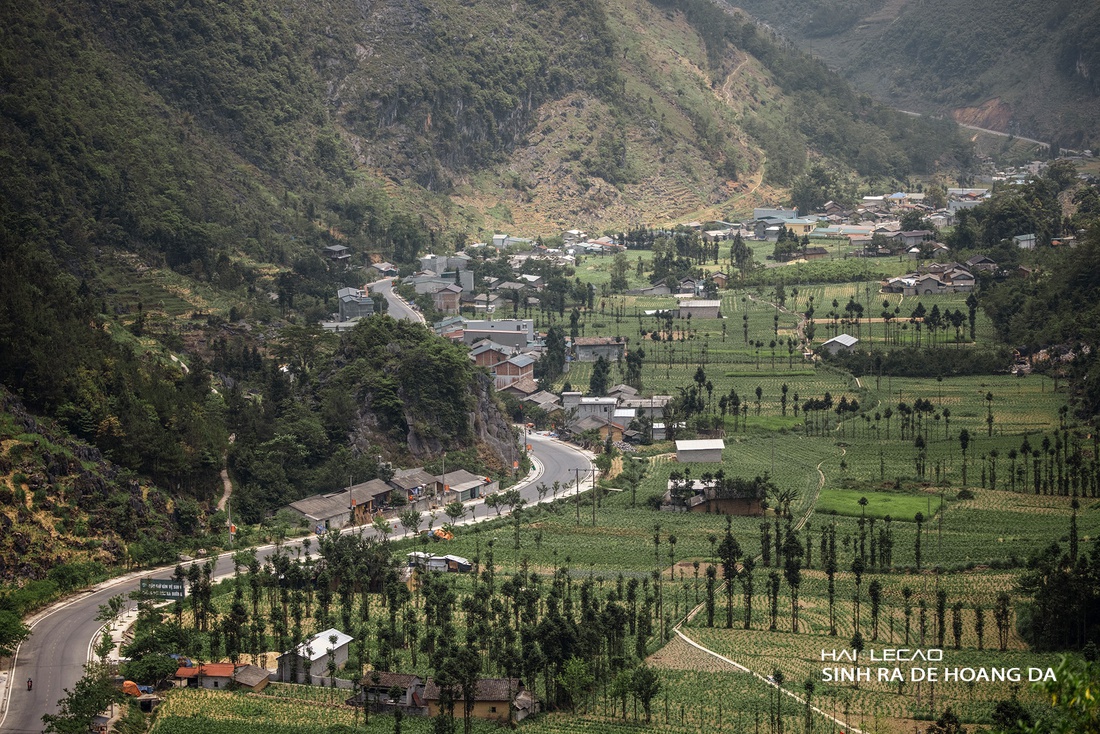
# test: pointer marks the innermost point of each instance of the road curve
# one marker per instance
(398, 308)
(61, 635)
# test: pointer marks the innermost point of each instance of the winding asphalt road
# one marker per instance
(397, 308)
(61, 639)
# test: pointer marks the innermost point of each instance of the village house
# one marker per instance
(657, 289)
(354, 304)
(311, 659)
(447, 298)
(581, 407)
(982, 263)
(495, 699)
(386, 270)
(912, 238)
(651, 407)
(622, 391)
(589, 348)
(210, 675)
(488, 353)
(840, 343)
(603, 427)
(522, 388)
(516, 333)
(442, 564)
(336, 510)
(337, 253)
(547, 401)
(415, 484)
(513, 369)
(377, 686)
(719, 278)
(463, 486)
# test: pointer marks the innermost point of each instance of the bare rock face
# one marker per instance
(488, 430)
(490, 426)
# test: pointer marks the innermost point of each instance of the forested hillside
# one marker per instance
(1016, 66)
(173, 169)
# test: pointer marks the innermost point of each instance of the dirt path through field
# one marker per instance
(845, 726)
(227, 486)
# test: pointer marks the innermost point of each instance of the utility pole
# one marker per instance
(593, 498)
(577, 492)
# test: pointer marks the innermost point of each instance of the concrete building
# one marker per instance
(310, 659)
(583, 407)
(699, 309)
(463, 486)
(590, 348)
(517, 333)
(700, 451)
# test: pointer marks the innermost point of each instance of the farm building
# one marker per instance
(589, 348)
(842, 342)
(699, 309)
(493, 699)
(699, 451)
(717, 496)
(432, 562)
(377, 685)
(211, 675)
(252, 677)
(336, 510)
(461, 485)
(311, 659)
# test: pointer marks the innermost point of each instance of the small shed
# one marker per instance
(432, 562)
(700, 451)
(252, 677)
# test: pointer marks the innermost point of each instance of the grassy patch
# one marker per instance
(879, 504)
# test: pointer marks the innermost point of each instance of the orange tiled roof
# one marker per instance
(210, 670)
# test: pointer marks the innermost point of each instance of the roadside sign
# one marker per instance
(164, 588)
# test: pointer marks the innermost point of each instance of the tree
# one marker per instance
(601, 377)
(792, 571)
(576, 679)
(620, 266)
(411, 520)
(646, 687)
(730, 553)
(919, 518)
(948, 723)
(93, 693)
(454, 510)
(964, 444)
(12, 632)
(1075, 705)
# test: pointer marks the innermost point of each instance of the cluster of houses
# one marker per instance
(360, 503)
(316, 658)
(937, 278)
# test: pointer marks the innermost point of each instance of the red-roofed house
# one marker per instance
(210, 675)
